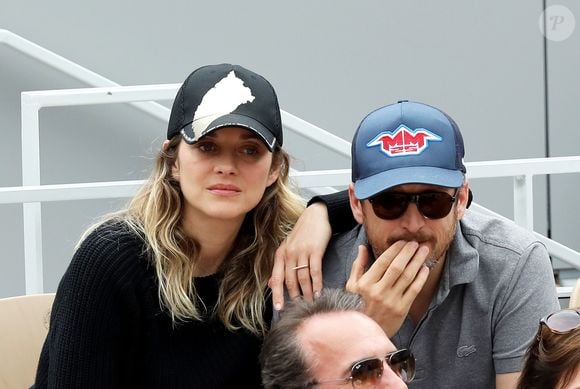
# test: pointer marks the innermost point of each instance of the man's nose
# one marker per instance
(412, 220)
(390, 380)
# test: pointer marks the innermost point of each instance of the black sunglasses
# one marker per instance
(562, 322)
(432, 205)
(368, 372)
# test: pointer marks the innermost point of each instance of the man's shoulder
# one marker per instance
(505, 253)
(344, 242)
(496, 232)
(339, 256)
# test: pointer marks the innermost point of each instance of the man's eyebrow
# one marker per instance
(348, 370)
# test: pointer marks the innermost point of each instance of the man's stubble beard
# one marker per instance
(440, 247)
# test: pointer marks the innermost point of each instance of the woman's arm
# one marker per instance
(92, 326)
(298, 262)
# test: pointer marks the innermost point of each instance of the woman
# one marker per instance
(553, 358)
(171, 292)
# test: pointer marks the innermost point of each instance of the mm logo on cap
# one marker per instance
(404, 141)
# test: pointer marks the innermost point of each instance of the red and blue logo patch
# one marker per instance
(404, 141)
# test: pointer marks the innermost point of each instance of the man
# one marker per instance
(462, 290)
(330, 343)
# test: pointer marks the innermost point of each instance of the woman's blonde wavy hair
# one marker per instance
(155, 213)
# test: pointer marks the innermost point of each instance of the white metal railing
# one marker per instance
(32, 102)
(31, 194)
(73, 69)
(31, 177)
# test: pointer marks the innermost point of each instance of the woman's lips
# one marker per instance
(224, 190)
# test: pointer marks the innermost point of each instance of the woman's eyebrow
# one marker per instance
(248, 135)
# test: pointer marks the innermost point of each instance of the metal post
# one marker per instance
(31, 211)
(523, 201)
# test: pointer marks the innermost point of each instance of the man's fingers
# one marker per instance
(357, 269)
(391, 263)
(406, 266)
(417, 285)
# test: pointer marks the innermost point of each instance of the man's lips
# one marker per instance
(224, 189)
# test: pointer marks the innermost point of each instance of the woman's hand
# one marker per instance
(298, 261)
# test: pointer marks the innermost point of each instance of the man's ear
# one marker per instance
(355, 205)
(462, 199)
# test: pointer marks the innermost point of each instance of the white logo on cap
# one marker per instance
(225, 96)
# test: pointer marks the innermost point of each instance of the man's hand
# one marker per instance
(391, 284)
(303, 249)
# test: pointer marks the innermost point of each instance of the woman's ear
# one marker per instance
(274, 173)
(175, 166)
(175, 171)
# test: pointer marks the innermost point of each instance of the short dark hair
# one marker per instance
(282, 359)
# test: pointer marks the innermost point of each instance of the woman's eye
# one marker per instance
(206, 147)
(250, 150)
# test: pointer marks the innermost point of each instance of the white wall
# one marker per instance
(331, 63)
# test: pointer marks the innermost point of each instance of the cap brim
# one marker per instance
(370, 186)
(235, 120)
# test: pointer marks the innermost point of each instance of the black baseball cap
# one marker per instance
(224, 95)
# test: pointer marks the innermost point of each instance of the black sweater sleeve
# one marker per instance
(339, 212)
(94, 317)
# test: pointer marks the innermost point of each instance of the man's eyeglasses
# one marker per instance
(432, 205)
(368, 372)
(562, 322)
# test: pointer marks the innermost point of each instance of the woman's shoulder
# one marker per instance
(112, 246)
(112, 235)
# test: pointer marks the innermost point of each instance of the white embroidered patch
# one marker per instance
(227, 95)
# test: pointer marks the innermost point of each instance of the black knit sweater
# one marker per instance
(107, 329)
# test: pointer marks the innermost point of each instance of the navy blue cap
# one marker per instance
(224, 95)
(406, 143)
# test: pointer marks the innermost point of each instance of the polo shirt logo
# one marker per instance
(465, 351)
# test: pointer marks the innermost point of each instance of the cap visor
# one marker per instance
(370, 186)
(237, 120)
